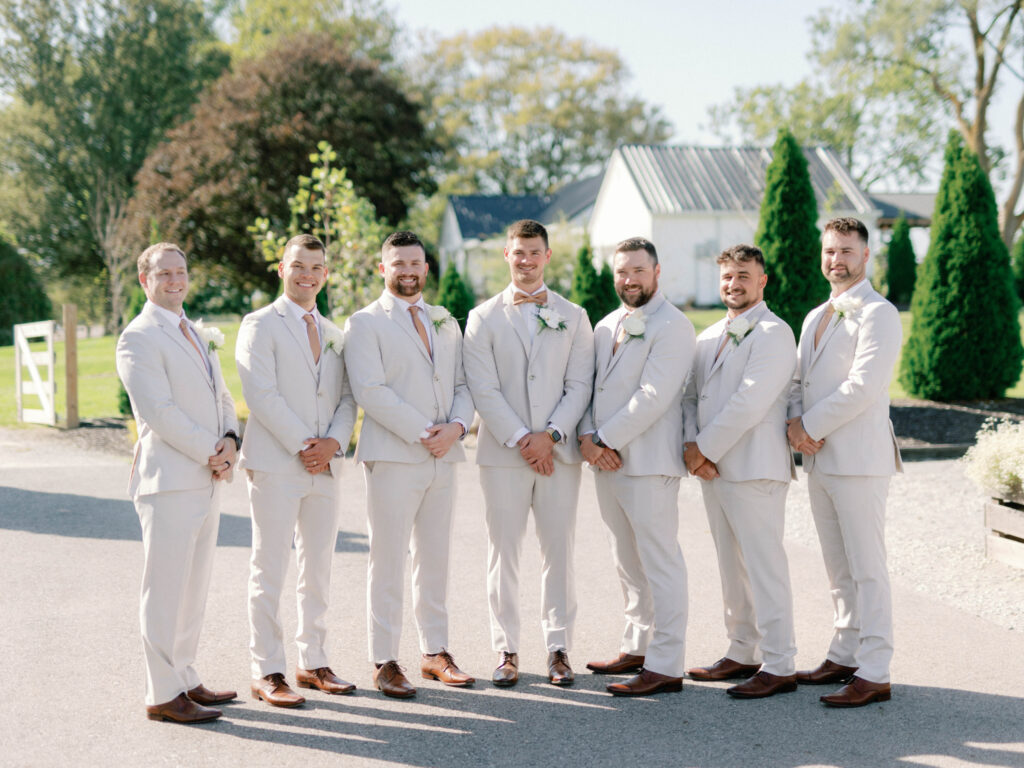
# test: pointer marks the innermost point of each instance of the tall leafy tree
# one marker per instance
(606, 290)
(788, 235)
(95, 86)
(585, 289)
(250, 137)
(22, 298)
(525, 110)
(965, 338)
(1017, 262)
(455, 295)
(902, 264)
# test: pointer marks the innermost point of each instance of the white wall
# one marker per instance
(619, 211)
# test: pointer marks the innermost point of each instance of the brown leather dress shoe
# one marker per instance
(559, 671)
(507, 672)
(441, 666)
(390, 681)
(203, 695)
(323, 679)
(274, 690)
(723, 669)
(762, 685)
(645, 684)
(828, 672)
(858, 693)
(181, 709)
(620, 665)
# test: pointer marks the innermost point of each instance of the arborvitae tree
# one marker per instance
(22, 298)
(1017, 260)
(585, 290)
(902, 268)
(455, 296)
(965, 337)
(606, 290)
(788, 235)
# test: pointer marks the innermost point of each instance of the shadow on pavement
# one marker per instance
(702, 726)
(65, 514)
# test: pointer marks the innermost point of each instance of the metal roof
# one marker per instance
(916, 206)
(682, 179)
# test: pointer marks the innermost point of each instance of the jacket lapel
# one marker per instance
(833, 323)
(179, 339)
(515, 317)
(606, 358)
(400, 316)
(302, 340)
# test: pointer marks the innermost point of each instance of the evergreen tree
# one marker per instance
(455, 296)
(606, 290)
(22, 298)
(1017, 260)
(965, 338)
(585, 290)
(788, 235)
(902, 268)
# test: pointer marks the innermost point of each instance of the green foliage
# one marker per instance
(455, 295)
(606, 289)
(965, 338)
(326, 205)
(593, 290)
(1017, 262)
(788, 235)
(249, 139)
(524, 110)
(22, 298)
(902, 264)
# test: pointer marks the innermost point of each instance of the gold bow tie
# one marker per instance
(525, 298)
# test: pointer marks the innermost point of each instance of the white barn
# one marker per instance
(693, 202)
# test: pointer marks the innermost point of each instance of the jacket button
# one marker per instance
(532, 377)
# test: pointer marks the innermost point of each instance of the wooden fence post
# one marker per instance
(71, 363)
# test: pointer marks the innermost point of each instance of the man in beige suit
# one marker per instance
(404, 359)
(529, 356)
(632, 437)
(301, 417)
(187, 441)
(839, 409)
(735, 422)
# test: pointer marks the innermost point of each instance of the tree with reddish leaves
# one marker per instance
(249, 138)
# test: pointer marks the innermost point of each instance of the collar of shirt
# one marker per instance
(859, 288)
(298, 312)
(404, 303)
(744, 313)
(170, 316)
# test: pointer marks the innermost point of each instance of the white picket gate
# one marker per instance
(45, 389)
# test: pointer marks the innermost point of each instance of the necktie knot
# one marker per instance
(526, 298)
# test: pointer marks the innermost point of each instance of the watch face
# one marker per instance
(556, 436)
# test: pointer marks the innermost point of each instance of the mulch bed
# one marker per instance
(926, 422)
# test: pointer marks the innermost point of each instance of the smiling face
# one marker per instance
(303, 272)
(844, 259)
(527, 257)
(636, 277)
(741, 285)
(166, 280)
(405, 270)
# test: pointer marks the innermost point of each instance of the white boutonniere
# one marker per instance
(335, 339)
(846, 306)
(737, 329)
(438, 316)
(212, 336)
(635, 324)
(549, 318)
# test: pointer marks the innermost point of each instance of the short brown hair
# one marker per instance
(309, 242)
(740, 254)
(527, 228)
(844, 225)
(638, 244)
(402, 238)
(145, 262)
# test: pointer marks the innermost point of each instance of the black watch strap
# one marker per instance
(234, 436)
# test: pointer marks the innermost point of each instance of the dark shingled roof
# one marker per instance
(916, 206)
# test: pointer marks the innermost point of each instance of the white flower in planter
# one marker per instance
(996, 461)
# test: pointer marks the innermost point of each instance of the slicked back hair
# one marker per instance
(145, 262)
(740, 254)
(844, 225)
(638, 244)
(527, 228)
(401, 238)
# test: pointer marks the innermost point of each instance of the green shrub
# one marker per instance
(22, 298)
(902, 264)
(455, 296)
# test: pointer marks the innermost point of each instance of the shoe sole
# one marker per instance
(299, 684)
(568, 681)
(845, 705)
(787, 688)
(829, 681)
(505, 683)
(283, 704)
(669, 688)
(158, 717)
(622, 671)
(432, 676)
(739, 674)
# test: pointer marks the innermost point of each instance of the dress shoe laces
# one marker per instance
(560, 657)
(275, 679)
(445, 657)
(507, 658)
(390, 668)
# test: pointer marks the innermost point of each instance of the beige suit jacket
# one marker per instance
(289, 401)
(401, 390)
(638, 390)
(180, 411)
(518, 384)
(735, 407)
(841, 389)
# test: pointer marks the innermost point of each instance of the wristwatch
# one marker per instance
(554, 434)
(598, 441)
(234, 436)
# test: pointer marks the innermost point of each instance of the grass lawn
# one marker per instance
(98, 383)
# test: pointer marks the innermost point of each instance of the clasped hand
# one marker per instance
(538, 451)
(223, 461)
(799, 440)
(697, 463)
(316, 456)
(442, 437)
(607, 459)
